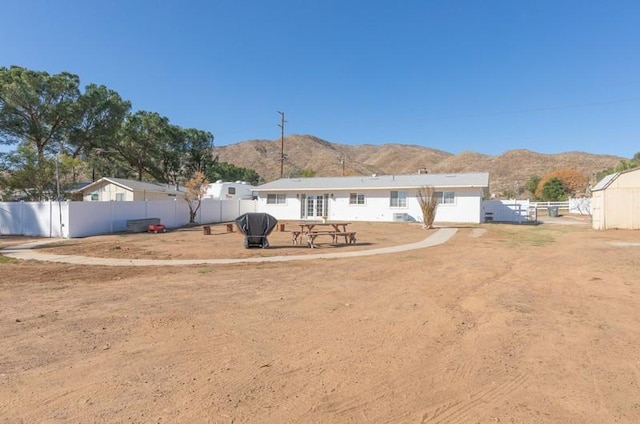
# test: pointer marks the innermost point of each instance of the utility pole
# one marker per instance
(281, 125)
(342, 162)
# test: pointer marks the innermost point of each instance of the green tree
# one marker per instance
(308, 173)
(532, 184)
(100, 113)
(30, 177)
(37, 108)
(181, 153)
(196, 149)
(302, 173)
(51, 115)
(622, 166)
(228, 172)
(158, 150)
(554, 190)
(146, 145)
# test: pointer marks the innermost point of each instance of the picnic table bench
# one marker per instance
(338, 230)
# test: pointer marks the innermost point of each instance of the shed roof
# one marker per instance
(480, 180)
(604, 182)
(135, 185)
(608, 179)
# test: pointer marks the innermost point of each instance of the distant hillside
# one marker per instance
(506, 171)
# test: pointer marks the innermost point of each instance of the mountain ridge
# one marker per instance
(507, 172)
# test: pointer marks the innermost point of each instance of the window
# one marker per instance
(276, 199)
(398, 199)
(95, 196)
(119, 197)
(356, 198)
(445, 197)
(231, 190)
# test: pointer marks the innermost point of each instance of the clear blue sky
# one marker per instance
(486, 76)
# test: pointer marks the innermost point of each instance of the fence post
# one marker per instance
(22, 218)
(50, 218)
(111, 220)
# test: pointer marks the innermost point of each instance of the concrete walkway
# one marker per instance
(27, 252)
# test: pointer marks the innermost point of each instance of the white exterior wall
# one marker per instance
(466, 208)
(108, 192)
(289, 210)
(618, 205)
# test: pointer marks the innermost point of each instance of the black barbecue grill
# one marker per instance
(256, 227)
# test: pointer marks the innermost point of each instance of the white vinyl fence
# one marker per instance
(506, 211)
(81, 219)
(579, 205)
(524, 210)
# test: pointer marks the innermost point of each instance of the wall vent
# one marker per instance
(400, 217)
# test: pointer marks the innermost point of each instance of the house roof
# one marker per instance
(134, 185)
(480, 179)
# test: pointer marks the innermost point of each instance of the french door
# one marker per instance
(316, 206)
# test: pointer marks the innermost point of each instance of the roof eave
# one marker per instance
(481, 186)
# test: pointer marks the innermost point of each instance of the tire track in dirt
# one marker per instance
(460, 410)
(346, 407)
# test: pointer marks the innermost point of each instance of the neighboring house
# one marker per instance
(123, 190)
(228, 190)
(374, 198)
(615, 201)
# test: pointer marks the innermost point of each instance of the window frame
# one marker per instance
(400, 199)
(446, 197)
(278, 198)
(360, 199)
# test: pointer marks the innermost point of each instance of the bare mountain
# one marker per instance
(507, 171)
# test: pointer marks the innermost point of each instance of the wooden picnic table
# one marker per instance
(312, 230)
(308, 227)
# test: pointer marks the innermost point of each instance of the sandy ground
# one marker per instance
(503, 323)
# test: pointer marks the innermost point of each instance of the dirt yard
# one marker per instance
(501, 324)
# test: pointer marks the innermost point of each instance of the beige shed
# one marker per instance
(615, 201)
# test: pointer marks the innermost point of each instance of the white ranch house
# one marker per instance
(374, 198)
